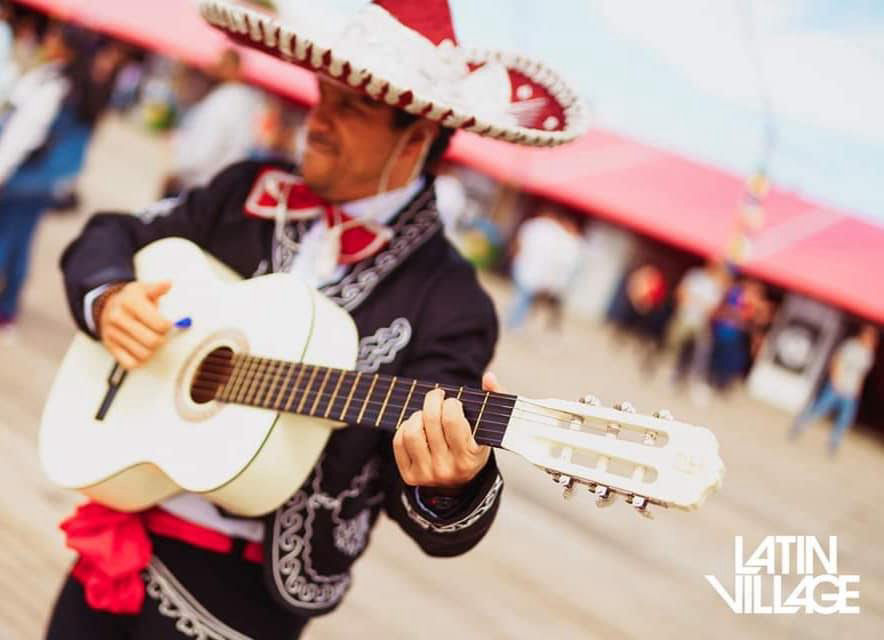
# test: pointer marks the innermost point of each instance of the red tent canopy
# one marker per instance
(805, 247)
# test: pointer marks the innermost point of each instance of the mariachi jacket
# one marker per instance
(419, 311)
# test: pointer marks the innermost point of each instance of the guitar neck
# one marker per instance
(353, 397)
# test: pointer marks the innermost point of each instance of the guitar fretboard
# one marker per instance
(356, 398)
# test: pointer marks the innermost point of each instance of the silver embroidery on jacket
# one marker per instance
(296, 579)
(382, 346)
(468, 520)
(413, 228)
(174, 601)
(281, 253)
(261, 268)
(158, 209)
(351, 535)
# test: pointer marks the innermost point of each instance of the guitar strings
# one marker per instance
(486, 428)
(239, 393)
(273, 368)
(255, 360)
(222, 375)
(374, 405)
(239, 389)
(279, 391)
(392, 403)
(249, 375)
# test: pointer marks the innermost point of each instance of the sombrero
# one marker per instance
(405, 53)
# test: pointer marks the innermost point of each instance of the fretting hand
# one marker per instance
(435, 447)
(129, 323)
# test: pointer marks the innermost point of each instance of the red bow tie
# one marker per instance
(359, 238)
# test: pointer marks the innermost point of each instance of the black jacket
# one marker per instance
(420, 313)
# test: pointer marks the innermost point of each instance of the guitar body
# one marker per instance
(155, 440)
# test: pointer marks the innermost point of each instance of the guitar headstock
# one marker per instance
(648, 459)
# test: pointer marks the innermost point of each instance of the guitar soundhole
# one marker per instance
(211, 376)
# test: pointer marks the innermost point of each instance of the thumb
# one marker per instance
(156, 290)
(491, 383)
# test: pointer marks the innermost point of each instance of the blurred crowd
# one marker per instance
(710, 319)
(57, 81)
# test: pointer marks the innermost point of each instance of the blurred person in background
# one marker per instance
(276, 130)
(737, 330)
(847, 373)
(28, 27)
(130, 78)
(640, 305)
(53, 111)
(8, 66)
(453, 202)
(698, 295)
(547, 255)
(217, 131)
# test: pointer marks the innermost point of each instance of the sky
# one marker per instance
(691, 75)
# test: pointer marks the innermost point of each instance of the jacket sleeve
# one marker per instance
(453, 345)
(103, 252)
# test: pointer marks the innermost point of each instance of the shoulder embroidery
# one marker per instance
(297, 581)
(174, 601)
(158, 209)
(415, 226)
(382, 346)
(468, 520)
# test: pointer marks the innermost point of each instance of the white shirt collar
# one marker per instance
(384, 206)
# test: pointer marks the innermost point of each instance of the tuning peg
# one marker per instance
(591, 400)
(625, 407)
(604, 496)
(567, 484)
(640, 503)
(663, 414)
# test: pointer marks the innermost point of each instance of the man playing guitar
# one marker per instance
(355, 218)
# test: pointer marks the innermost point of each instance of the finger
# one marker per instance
(432, 422)
(146, 311)
(117, 336)
(155, 290)
(126, 360)
(415, 443)
(457, 430)
(132, 325)
(491, 383)
(403, 461)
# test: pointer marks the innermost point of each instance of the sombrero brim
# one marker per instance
(548, 112)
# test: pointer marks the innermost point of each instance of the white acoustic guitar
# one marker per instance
(238, 407)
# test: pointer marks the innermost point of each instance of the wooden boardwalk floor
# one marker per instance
(548, 569)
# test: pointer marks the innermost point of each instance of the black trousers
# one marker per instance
(191, 593)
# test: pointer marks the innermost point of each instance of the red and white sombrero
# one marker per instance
(404, 52)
